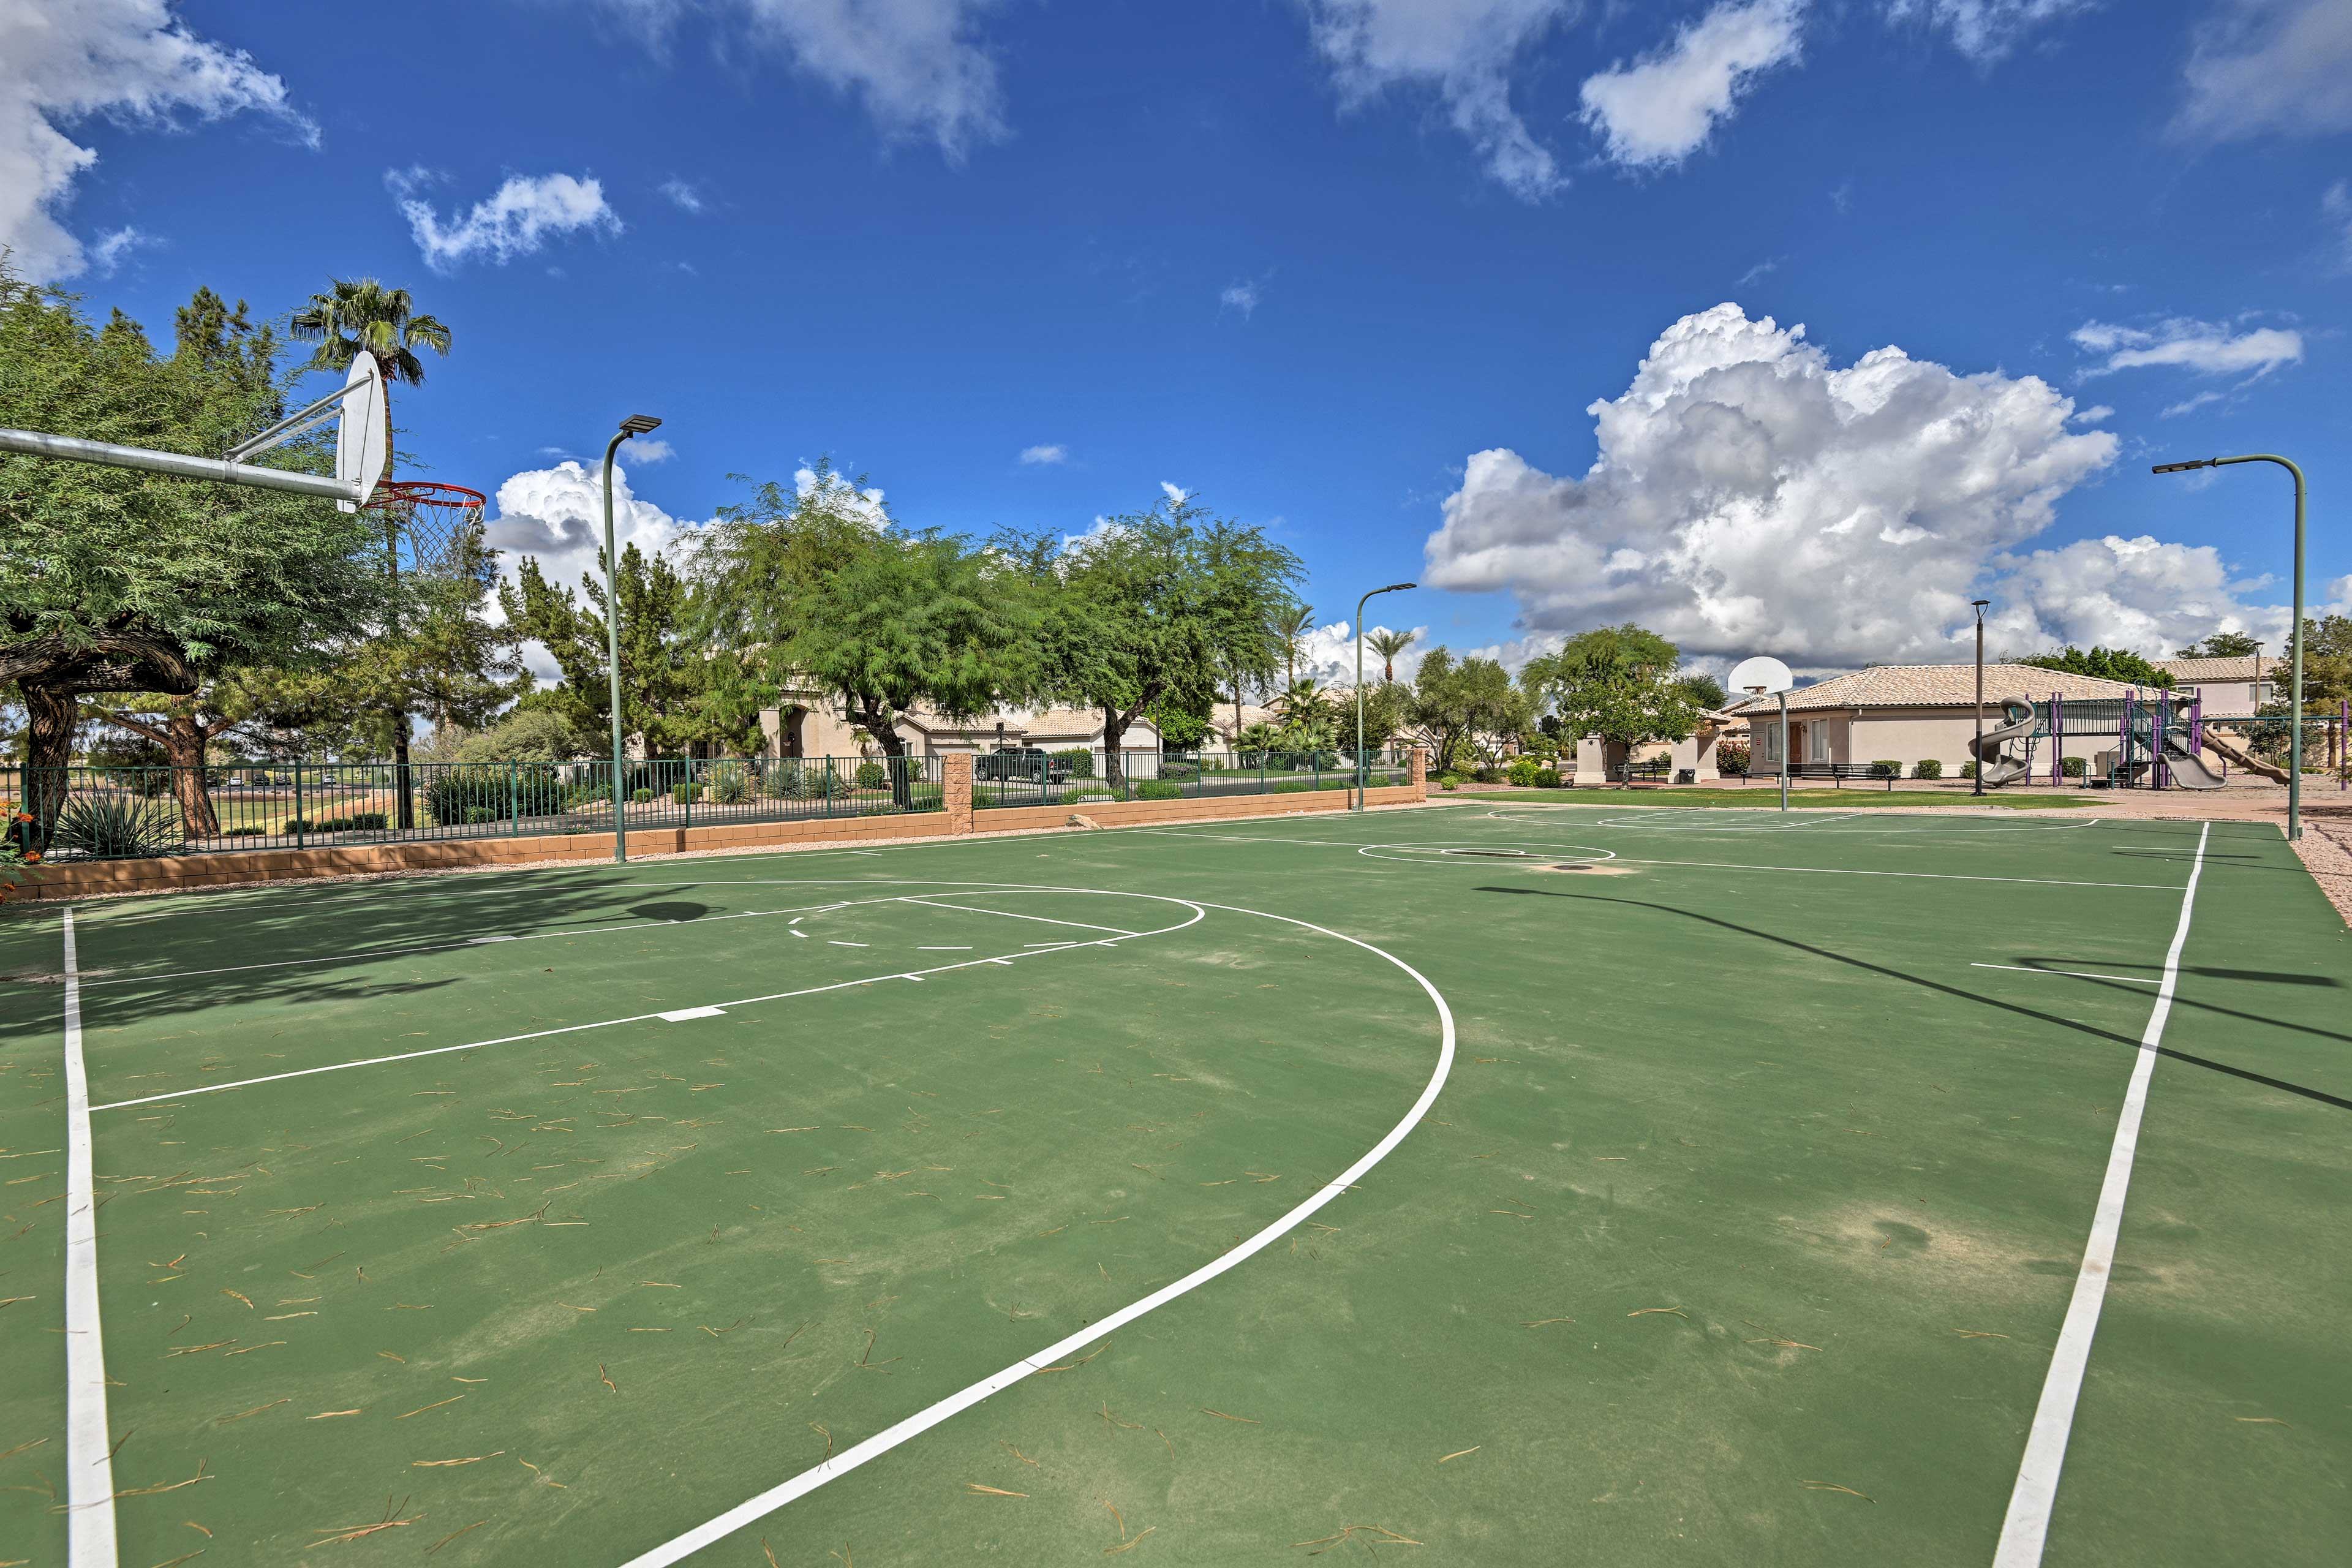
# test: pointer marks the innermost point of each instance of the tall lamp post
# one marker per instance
(1391, 588)
(1977, 751)
(2295, 706)
(636, 425)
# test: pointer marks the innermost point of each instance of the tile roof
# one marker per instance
(2192, 670)
(1936, 685)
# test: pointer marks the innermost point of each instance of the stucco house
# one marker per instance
(817, 726)
(2231, 687)
(1903, 712)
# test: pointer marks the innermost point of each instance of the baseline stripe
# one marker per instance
(89, 1463)
(923, 1420)
(2027, 1526)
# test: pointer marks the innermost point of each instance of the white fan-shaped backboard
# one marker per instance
(1763, 673)
(363, 434)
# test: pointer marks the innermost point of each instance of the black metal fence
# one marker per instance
(113, 813)
(1031, 777)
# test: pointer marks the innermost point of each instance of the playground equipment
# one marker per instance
(1995, 767)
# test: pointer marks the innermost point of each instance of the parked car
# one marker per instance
(1032, 763)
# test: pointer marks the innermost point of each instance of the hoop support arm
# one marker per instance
(74, 449)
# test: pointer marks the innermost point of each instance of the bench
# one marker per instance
(1836, 772)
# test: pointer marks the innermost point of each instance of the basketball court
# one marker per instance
(1486, 1184)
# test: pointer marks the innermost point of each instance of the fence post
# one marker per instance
(298, 800)
(514, 800)
(689, 792)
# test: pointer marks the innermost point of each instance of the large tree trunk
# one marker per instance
(402, 790)
(875, 720)
(49, 713)
(1114, 763)
(184, 742)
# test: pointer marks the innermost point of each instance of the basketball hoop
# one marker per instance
(432, 516)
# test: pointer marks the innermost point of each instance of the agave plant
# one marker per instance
(113, 826)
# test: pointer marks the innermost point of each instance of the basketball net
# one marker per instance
(429, 519)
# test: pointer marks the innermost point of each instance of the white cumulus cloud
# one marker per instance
(517, 219)
(1661, 109)
(130, 61)
(2139, 594)
(116, 246)
(647, 450)
(2269, 66)
(1328, 653)
(919, 67)
(1242, 297)
(684, 195)
(557, 515)
(1053, 453)
(1464, 51)
(1752, 496)
(2207, 348)
(1985, 30)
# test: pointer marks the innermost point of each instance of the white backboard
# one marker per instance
(1763, 673)
(363, 434)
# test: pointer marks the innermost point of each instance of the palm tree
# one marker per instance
(1291, 628)
(1388, 645)
(365, 314)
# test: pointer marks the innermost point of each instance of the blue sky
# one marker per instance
(1353, 269)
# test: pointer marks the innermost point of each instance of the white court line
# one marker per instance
(646, 1017)
(1712, 865)
(443, 946)
(2071, 973)
(2023, 1532)
(983, 910)
(923, 1420)
(89, 1464)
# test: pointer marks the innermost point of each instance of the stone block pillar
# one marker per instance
(956, 774)
(1418, 775)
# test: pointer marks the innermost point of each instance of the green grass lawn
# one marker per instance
(1729, 1197)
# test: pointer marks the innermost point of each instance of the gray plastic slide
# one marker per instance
(2017, 724)
(2188, 769)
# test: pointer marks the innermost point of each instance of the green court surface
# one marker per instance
(1485, 1185)
(1861, 794)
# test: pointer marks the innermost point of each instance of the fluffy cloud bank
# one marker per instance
(130, 59)
(557, 515)
(1751, 496)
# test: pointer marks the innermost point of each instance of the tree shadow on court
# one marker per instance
(306, 946)
(2037, 1014)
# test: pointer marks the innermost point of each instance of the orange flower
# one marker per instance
(33, 858)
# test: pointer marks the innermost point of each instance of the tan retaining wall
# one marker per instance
(94, 878)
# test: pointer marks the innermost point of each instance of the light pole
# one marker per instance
(1391, 588)
(1977, 751)
(634, 426)
(2295, 706)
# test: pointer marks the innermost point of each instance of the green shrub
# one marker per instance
(1159, 789)
(1968, 770)
(1523, 772)
(112, 825)
(2073, 767)
(731, 787)
(642, 797)
(872, 776)
(479, 815)
(1489, 775)
(244, 832)
(1082, 762)
(360, 821)
(1731, 757)
(1929, 768)
(1885, 769)
(455, 794)
(1302, 787)
(1447, 783)
(686, 791)
(1547, 778)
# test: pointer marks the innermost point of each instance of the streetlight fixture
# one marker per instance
(2294, 708)
(1977, 751)
(636, 425)
(1391, 588)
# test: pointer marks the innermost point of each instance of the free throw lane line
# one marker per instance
(889, 1437)
(2023, 1532)
(89, 1464)
(2070, 973)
